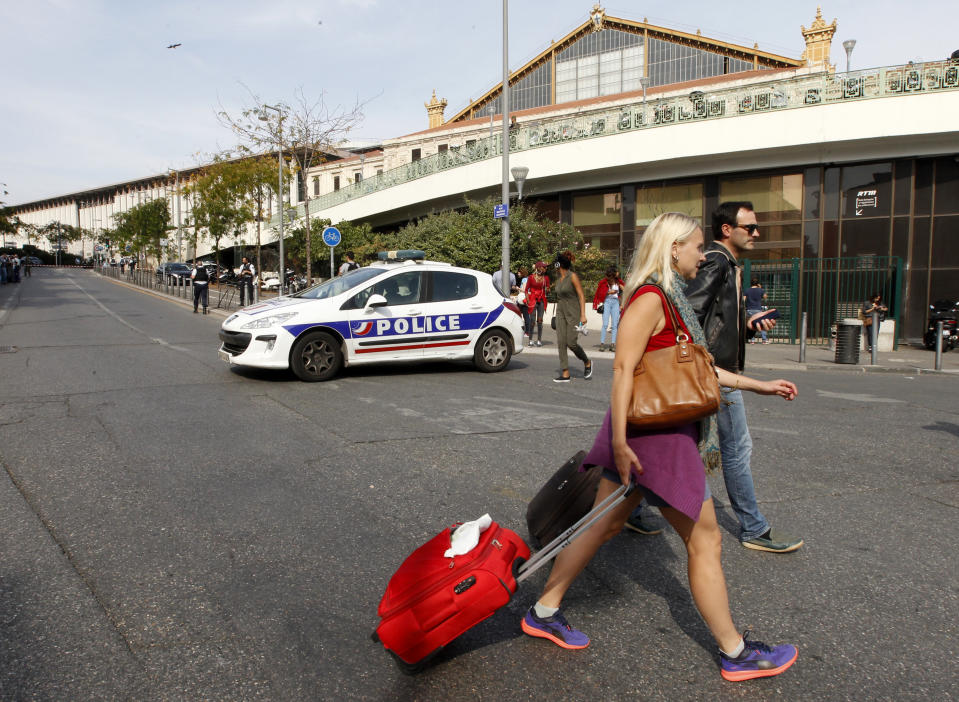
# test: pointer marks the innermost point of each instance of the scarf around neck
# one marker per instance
(708, 426)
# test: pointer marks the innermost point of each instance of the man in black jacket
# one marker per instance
(716, 294)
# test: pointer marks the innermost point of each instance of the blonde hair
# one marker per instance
(654, 253)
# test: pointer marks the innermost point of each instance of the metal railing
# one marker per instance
(221, 295)
(828, 290)
(798, 92)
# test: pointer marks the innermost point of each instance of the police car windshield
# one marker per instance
(340, 284)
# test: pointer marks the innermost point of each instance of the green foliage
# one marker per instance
(472, 238)
(141, 228)
(358, 238)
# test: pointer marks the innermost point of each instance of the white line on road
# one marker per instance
(855, 397)
(539, 405)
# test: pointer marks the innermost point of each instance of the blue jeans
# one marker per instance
(750, 313)
(736, 446)
(610, 313)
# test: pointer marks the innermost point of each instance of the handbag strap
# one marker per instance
(681, 335)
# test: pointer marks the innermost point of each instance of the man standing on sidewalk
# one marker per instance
(247, 274)
(716, 294)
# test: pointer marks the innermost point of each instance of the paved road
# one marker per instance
(176, 530)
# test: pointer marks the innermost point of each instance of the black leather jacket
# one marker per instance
(719, 306)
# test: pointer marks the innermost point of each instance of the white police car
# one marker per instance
(402, 308)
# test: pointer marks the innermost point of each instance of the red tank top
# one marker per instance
(667, 337)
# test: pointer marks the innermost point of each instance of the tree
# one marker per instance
(8, 221)
(308, 131)
(142, 228)
(358, 238)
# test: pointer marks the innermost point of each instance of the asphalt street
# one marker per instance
(173, 529)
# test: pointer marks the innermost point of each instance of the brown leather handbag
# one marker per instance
(675, 385)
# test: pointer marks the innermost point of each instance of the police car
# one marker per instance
(401, 308)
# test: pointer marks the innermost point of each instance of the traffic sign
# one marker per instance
(99, 247)
(331, 236)
(500, 211)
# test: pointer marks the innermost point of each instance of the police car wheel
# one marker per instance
(493, 351)
(316, 356)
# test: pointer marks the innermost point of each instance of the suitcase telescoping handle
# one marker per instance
(552, 549)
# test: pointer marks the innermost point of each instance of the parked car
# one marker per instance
(174, 273)
(402, 308)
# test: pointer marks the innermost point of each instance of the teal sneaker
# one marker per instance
(774, 542)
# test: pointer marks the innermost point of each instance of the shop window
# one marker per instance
(900, 237)
(775, 198)
(336, 183)
(654, 200)
(903, 195)
(945, 244)
(316, 186)
(947, 185)
(778, 242)
(597, 213)
(865, 237)
(867, 190)
(357, 177)
(417, 154)
(443, 148)
(811, 183)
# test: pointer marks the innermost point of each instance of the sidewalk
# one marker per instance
(913, 360)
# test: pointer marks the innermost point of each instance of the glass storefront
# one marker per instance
(777, 201)
(598, 217)
(869, 211)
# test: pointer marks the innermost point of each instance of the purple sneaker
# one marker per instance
(758, 660)
(556, 629)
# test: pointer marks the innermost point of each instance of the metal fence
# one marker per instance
(828, 290)
(224, 296)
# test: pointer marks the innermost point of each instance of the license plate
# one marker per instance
(224, 356)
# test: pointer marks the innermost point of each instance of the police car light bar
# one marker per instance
(402, 255)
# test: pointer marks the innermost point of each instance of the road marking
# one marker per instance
(773, 430)
(539, 405)
(856, 397)
(127, 324)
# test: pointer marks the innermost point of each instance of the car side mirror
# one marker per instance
(376, 300)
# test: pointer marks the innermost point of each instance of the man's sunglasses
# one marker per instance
(750, 228)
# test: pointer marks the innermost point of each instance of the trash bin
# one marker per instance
(848, 332)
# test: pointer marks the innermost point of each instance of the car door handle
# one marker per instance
(414, 313)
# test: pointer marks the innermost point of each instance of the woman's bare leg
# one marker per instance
(707, 583)
(577, 555)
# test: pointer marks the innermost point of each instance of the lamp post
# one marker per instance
(179, 229)
(849, 45)
(504, 270)
(279, 194)
(644, 82)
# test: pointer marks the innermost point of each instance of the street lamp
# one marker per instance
(279, 195)
(849, 45)
(179, 229)
(519, 175)
(504, 268)
(644, 82)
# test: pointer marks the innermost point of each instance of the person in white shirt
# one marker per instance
(247, 275)
(348, 265)
(201, 287)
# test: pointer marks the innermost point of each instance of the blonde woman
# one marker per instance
(668, 466)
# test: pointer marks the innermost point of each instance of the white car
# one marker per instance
(402, 308)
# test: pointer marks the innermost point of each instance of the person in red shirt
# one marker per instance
(537, 285)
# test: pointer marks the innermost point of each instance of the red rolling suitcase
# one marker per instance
(432, 599)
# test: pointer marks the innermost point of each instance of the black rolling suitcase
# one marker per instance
(562, 501)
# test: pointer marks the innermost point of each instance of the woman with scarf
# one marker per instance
(668, 466)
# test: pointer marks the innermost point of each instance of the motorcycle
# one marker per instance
(947, 312)
(293, 282)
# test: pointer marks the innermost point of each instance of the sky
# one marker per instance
(91, 96)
